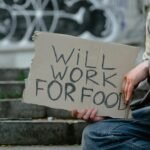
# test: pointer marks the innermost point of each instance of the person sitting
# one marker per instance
(119, 134)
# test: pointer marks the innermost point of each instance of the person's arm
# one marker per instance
(130, 81)
(133, 78)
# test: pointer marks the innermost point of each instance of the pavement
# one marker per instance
(74, 147)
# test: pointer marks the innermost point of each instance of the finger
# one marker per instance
(87, 114)
(123, 87)
(129, 92)
(93, 114)
(125, 90)
(81, 114)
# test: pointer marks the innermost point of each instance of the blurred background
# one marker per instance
(101, 20)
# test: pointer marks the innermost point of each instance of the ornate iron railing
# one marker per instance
(106, 20)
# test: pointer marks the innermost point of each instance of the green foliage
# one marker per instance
(4, 95)
(21, 76)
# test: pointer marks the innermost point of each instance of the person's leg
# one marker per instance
(116, 134)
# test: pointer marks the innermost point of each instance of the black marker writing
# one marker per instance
(106, 79)
(62, 55)
(37, 86)
(59, 75)
(59, 88)
(103, 63)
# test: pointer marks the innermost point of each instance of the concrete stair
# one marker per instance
(28, 124)
(40, 132)
(25, 124)
(12, 82)
(13, 74)
(41, 147)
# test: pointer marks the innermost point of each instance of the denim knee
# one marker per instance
(96, 129)
(102, 128)
(112, 134)
(98, 135)
(87, 138)
(86, 132)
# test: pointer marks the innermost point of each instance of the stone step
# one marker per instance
(41, 147)
(13, 74)
(11, 89)
(41, 132)
(16, 109)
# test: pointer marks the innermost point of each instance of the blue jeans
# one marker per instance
(117, 134)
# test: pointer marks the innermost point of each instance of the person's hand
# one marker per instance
(133, 78)
(87, 115)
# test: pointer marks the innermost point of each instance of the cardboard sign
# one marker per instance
(72, 73)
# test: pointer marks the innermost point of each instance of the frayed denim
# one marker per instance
(117, 134)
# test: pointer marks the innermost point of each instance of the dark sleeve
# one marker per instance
(141, 107)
